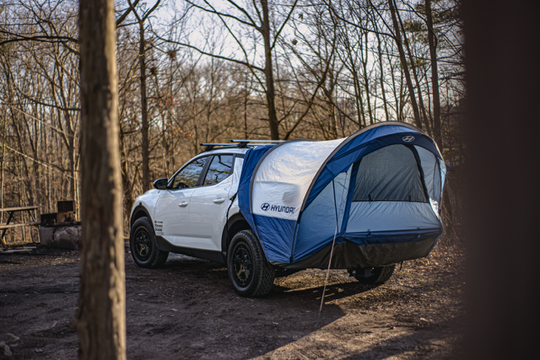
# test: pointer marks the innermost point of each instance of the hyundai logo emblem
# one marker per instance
(265, 206)
(408, 138)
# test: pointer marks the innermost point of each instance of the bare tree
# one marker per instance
(141, 19)
(437, 134)
(259, 20)
(101, 313)
(404, 63)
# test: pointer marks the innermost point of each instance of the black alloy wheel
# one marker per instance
(143, 246)
(242, 264)
(247, 267)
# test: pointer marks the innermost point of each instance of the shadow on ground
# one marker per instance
(188, 310)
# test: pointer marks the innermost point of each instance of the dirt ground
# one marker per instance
(188, 310)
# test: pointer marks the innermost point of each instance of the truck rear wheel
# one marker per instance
(250, 273)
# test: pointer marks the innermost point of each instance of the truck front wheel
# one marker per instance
(142, 243)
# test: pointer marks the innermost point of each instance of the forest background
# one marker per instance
(194, 71)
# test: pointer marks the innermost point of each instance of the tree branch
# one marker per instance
(45, 104)
(39, 38)
(147, 13)
(214, 11)
(126, 13)
(210, 54)
(244, 11)
(283, 24)
(355, 24)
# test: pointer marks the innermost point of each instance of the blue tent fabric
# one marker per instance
(379, 190)
(275, 236)
(251, 159)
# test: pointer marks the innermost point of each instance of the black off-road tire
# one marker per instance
(143, 246)
(249, 272)
(379, 275)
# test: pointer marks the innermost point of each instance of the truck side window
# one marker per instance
(189, 175)
(220, 168)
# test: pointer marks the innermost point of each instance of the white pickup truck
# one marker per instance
(196, 213)
(361, 203)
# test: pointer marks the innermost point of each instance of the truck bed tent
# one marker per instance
(376, 193)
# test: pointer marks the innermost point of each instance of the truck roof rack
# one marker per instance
(239, 144)
(259, 141)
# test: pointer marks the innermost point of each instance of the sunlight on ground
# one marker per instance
(333, 342)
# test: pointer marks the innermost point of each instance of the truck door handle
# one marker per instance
(183, 204)
(219, 200)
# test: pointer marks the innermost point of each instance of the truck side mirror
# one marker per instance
(161, 184)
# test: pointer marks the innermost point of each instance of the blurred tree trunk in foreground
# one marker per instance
(502, 96)
(101, 314)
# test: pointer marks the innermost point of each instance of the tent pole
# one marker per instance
(326, 279)
(330, 259)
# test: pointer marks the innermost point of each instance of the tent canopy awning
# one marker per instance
(301, 195)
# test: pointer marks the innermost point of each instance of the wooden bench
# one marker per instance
(31, 223)
(11, 211)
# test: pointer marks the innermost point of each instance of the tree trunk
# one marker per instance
(2, 170)
(437, 131)
(144, 110)
(269, 74)
(127, 178)
(358, 100)
(501, 312)
(101, 314)
(364, 55)
(245, 112)
(381, 78)
(415, 76)
(407, 73)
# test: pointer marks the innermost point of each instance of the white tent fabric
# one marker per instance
(283, 178)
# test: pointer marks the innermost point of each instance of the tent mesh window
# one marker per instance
(389, 174)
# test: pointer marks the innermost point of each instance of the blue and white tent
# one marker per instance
(375, 193)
